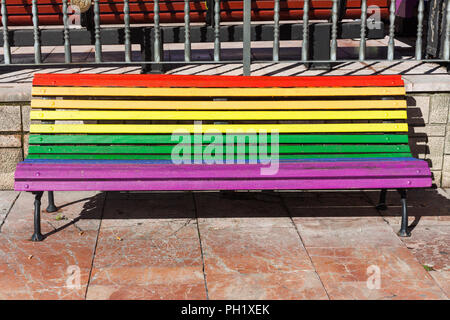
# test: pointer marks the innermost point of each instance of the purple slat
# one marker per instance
(45, 171)
(258, 184)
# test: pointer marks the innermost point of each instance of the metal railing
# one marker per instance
(158, 41)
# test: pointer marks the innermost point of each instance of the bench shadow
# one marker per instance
(92, 209)
(236, 204)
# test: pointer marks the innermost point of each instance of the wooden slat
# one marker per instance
(171, 128)
(169, 157)
(222, 184)
(214, 105)
(216, 115)
(167, 139)
(288, 170)
(167, 149)
(211, 81)
(216, 92)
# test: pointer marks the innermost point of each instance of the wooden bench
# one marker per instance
(129, 132)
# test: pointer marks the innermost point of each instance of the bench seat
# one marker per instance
(37, 175)
(175, 132)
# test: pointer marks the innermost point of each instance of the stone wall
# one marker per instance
(428, 116)
(14, 127)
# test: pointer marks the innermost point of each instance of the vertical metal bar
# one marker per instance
(6, 47)
(276, 30)
(391, 43)
(382, 202)
(447, 34)
(216, 30)
(157, 44)
(98, 42)
(36, 33)
(334, 20)
(37, 235)
(187, 31)
(67, 47)
(126, 20)
(420, 10)
(246, 54)
(51, 202)
(305, 44)
(362, 41)
(404, 232)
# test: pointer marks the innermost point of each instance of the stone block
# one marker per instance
(10, 118)
(431, 130)
(446, 172)
(439, 108)
(418, 109)
(447, 141)
(10, 141)
(436, 151)
(9, 157)
(26, 118)
(437, 178)
(26, 144)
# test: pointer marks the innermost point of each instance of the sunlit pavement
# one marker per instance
(242, 245)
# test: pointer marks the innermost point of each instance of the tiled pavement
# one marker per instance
(307, 245)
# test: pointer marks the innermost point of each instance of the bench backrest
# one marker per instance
(132, 117)
(141, 11)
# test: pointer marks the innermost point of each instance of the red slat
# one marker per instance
(136, 80)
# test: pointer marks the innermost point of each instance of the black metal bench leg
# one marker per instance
(403, 232)
(382, 203)
(51, 203)
(37, 235)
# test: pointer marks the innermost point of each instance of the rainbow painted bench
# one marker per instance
(176, 132)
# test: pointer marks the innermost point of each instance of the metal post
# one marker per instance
(157, 44)
(51, 203)
(382, 202)
(276, 31)
(447, 34)
(420, 10)
(391, 43)
(6, 47)
(362, 41)
(334, 20)
(305, 43)
(126, 19)
(98, 43)
(67, 47)
(37, 235)
(187, 31)
(216, 30)
(36, 33)
(246, 54)
(403, 232)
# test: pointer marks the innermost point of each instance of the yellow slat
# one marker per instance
(181, 128)
(214, 92)
(214, 105)
(216, 115)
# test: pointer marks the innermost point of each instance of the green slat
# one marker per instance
(166, 139)
(168, 157)
(161, 149)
